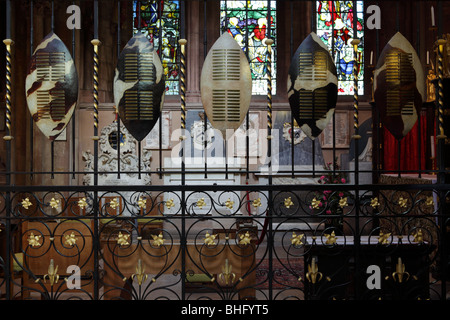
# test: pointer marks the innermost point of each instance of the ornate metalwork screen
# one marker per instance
(310, 231)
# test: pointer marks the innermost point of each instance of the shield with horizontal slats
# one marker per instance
(399, 86)
(226, 84)
(139, 86)
(51, 86)
(312, 86)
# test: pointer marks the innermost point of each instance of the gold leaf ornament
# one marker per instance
(54, 203)
(256, 203)
(170, 204)
(71, 239)
(229, 204)
(245, 239)
(374, 202)
(331, 238)
(142, 202)
(288, 203)
(210, 239)
(114, 203)
(201, 203)
(429, 201)
(122, 239)
(82, 203)
(157, 240)
(384, 238)
(26, 203)
(343, 202)
(33, 240)
(296, 239)
(315, 204)
(402, 202)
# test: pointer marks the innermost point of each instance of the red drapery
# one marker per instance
(409, 148)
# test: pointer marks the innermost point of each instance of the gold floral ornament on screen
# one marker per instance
(296, 239)
(384, 238)
(374, 203)
(114, 203)
(142, 202)
(418, 236)
(71, 239)
(256, 203)
(331, 238)
(26, 203)
(54, 203)
(33, 241)
(170, 204)
(245, 239)
(82, 203)
(210, 239)
(158, 240)
(429, 201)
(201, 203)
(229, 204)
(122, 239)
(140, 273)
(402, 202)
(288, 203)
(315, 204)
(52, 273)
(343, 202)
(227, 275)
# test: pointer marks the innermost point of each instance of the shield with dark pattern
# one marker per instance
(51, 86)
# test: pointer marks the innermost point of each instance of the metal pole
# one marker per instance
(96, 43)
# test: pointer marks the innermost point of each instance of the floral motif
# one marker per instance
(402, 202)
(384, 238)
(71, 239)
(122, 239)
(418, 236)
(26, 203)
(54, 203)
(245, 238)
(288, 202)
(429, 201)
(170, 204)
(316, 204)
(209, 239)
(256, 203)
(296, 239)
(157, 240)
(33, 240)
(201, 203)
(229, 204)
(82, 203)
(114, 203)
(331, 238)
(142, 202)
(343, 202)
(374, 202)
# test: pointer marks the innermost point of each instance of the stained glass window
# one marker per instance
(247, 22)
(160, 22)
(335, 28)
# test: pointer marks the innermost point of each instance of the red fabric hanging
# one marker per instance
(409, 147)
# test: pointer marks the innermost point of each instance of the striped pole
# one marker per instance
(440, 43)
(356, 135)
(8, 43)
(96, 44)
(269, 43)
(182, 43)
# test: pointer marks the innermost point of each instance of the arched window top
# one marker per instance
(250, 23)
(334, 25)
